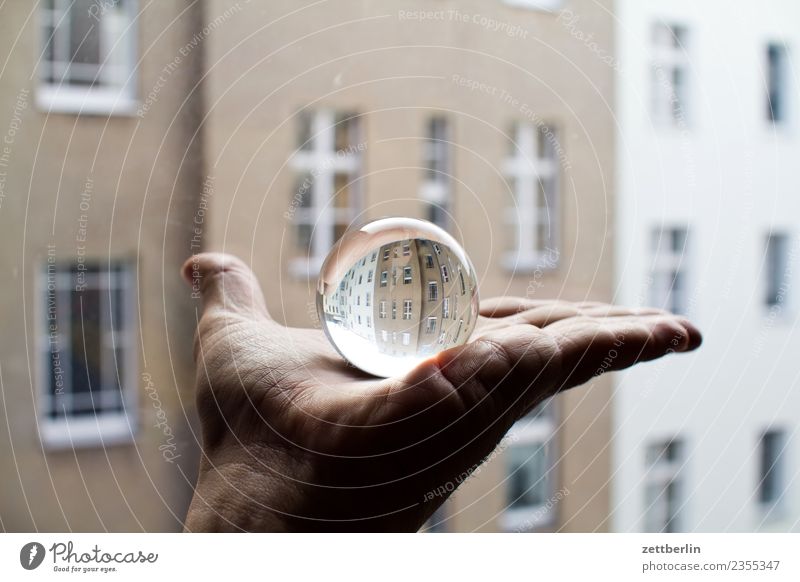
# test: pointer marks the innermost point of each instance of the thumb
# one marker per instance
(226, 284)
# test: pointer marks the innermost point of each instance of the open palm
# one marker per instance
(294, 438)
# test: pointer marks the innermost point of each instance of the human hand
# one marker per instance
(296, 439)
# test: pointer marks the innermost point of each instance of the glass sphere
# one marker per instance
(394, 293)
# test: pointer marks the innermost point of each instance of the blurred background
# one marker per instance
(632, 152)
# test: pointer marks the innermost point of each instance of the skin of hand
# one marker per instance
(296, 439)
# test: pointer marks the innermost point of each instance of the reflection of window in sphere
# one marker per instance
(396, 292)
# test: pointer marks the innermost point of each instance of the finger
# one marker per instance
(594, 346)
(550, 312)
(516, 367)
(505, 306)
(225, 284)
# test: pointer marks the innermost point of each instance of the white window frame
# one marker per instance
(660, 474)
(528, 167)
(322, 162)
(64, 97)
(665, 262)
(536, 429)
(90, 430)
(408, 308)
(407, 275)
(430, 324)
(666, 60)
(436, 188)
(433, 291)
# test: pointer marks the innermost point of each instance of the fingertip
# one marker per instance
(695, 337)
(187, 269)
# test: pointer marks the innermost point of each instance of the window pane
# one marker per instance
(84, 37)
(770, 487)
(527, 481)
(345, 131)
(304, 137)
(86, 341)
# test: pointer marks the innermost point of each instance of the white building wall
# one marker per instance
(731, 178)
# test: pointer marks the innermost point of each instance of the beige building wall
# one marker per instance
(395, 71)
(132, 186)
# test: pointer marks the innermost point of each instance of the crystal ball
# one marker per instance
(395, 292)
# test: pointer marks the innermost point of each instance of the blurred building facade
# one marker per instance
(265, 130)
(96, 215)
(707, 226)
(488, 118)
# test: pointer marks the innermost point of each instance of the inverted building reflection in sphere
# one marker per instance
(396, 292)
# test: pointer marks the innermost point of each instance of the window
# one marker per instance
(406, 338)
(662, 486)
(406, 249)
(369, 276)
(435, 191)
(436, 248)
(445, 274)
(384, 335)
(669, 286)
(326, 198)
(778, 83)
(430, 325)
(429, 261)
(777, 269)
(394, 308)
(386, 254)
(445, 308)
(369, 321)
(382, 310)
(87, 63)
(384, 278)
(88, 354)
(544, 5)
(406, 275)
(407, 309)
(368, 299)
(670, 74)
(461, 280)
(529, 460)
(532, 176)
(771, 477)
(433, 291)
(372, 260)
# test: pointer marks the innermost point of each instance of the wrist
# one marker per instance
(236, 495)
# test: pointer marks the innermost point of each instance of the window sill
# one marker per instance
(92, 431)
(541, 5)
(79, 101)
(527, 519)
(305, 269)
(519, 264)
